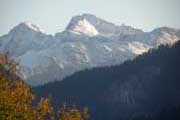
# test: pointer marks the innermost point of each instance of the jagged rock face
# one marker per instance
(87, 42)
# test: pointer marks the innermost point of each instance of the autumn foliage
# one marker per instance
(16, 99)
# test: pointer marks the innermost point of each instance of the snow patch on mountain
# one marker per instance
(107, 48)
(33, 27)
(166, 38)
(84, 27)
(138, 48)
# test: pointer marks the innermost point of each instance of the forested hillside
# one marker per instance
(147, 86)
(16, 99)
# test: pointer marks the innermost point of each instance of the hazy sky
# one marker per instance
(54, 15)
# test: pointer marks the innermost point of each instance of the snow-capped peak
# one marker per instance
(91, 25)
(33, 27)
(27, 26)
(84, 27)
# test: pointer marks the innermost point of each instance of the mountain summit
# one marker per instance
(82, 26)
(27, 26)
(91, 25)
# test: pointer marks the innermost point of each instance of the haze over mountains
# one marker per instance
(88, 41)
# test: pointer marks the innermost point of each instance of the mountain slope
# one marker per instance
(87, 42)
(146, 85)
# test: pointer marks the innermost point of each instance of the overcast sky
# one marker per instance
(54, 15)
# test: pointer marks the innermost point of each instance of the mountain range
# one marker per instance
(87, 42)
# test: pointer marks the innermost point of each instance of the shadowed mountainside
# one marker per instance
(146, 85)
